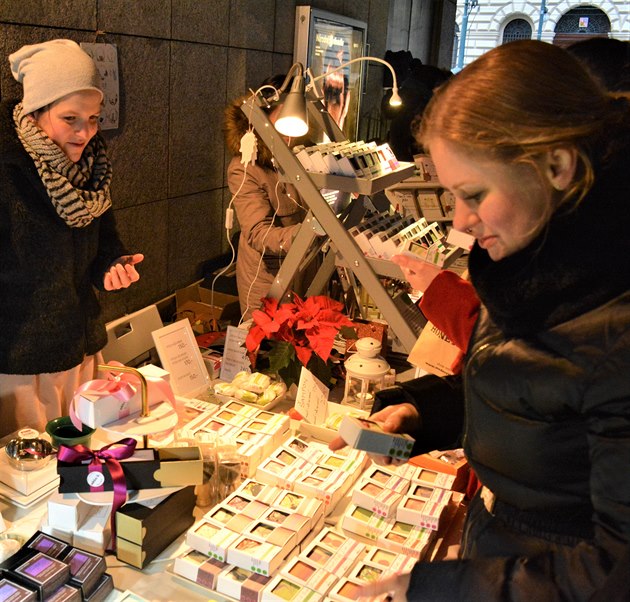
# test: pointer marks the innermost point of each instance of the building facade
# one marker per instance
(485, 24)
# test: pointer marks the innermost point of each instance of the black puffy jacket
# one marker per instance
(546, 425)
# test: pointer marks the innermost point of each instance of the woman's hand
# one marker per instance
(418, 273)
(122, 272)
(399, 418)
(390, 589)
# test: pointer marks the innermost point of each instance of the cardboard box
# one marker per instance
(197, 304)
(368, 436)
(144, 532)
(146, 469)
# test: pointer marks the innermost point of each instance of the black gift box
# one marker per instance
(86, 570)
(146, 469)
(142, 532)
(38, 571)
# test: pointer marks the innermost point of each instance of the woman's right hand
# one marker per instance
(419, 273)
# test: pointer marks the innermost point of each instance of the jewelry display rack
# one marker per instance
(343, 250)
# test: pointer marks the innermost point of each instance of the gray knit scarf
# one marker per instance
(79, 191)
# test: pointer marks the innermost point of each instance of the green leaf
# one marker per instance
(282, 355)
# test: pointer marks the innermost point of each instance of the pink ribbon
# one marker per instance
(111, 457)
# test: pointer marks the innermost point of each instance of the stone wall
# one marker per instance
(180, 62)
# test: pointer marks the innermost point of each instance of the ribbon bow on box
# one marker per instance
(111, 455)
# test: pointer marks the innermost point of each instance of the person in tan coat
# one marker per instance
(269, 212)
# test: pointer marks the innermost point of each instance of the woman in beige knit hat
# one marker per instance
(58, 238)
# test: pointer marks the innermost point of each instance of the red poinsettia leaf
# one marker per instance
(303, 354)
(254, 337)
(269, 306)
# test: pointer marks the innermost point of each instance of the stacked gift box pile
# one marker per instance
(401, 509)
(47, 568)
(331, 566)
(255, 528)
(142, 531)
(256, 432)
(313, 470)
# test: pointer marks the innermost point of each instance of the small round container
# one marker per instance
(29, 454)
(63, 432)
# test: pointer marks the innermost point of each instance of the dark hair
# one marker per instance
(607, 59)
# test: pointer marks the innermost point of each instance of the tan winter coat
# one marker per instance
(269, 214)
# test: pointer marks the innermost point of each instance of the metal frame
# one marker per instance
(344, 245)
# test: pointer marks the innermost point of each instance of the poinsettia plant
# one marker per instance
(299, 334)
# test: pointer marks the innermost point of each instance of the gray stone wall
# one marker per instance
(180, 62)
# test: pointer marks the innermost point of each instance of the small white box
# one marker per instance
(67, 511)
(256, 555)
(368, 436)
(241, 584)
(373, 496)
(95, 533)
(308, 575)
(363, 522)
(281, 589)
(197, 567)
(210, 540)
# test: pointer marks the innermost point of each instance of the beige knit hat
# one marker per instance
(51, 70)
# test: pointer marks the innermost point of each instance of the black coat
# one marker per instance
(546, 424)
(50, 316)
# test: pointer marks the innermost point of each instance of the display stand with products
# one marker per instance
(403, 317)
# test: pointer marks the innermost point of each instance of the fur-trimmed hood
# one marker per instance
(235, 124)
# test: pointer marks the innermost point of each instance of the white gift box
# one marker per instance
(198, 567)
(68, 511)
(95, 533)
(98, 410)
(256, 555)
(210, 540)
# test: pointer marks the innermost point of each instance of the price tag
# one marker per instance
(235, 358)
(180, 355)
(311, 400)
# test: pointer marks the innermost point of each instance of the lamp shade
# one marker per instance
(292, 120)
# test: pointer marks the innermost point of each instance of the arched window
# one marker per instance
(517, 29)
(586, 19)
